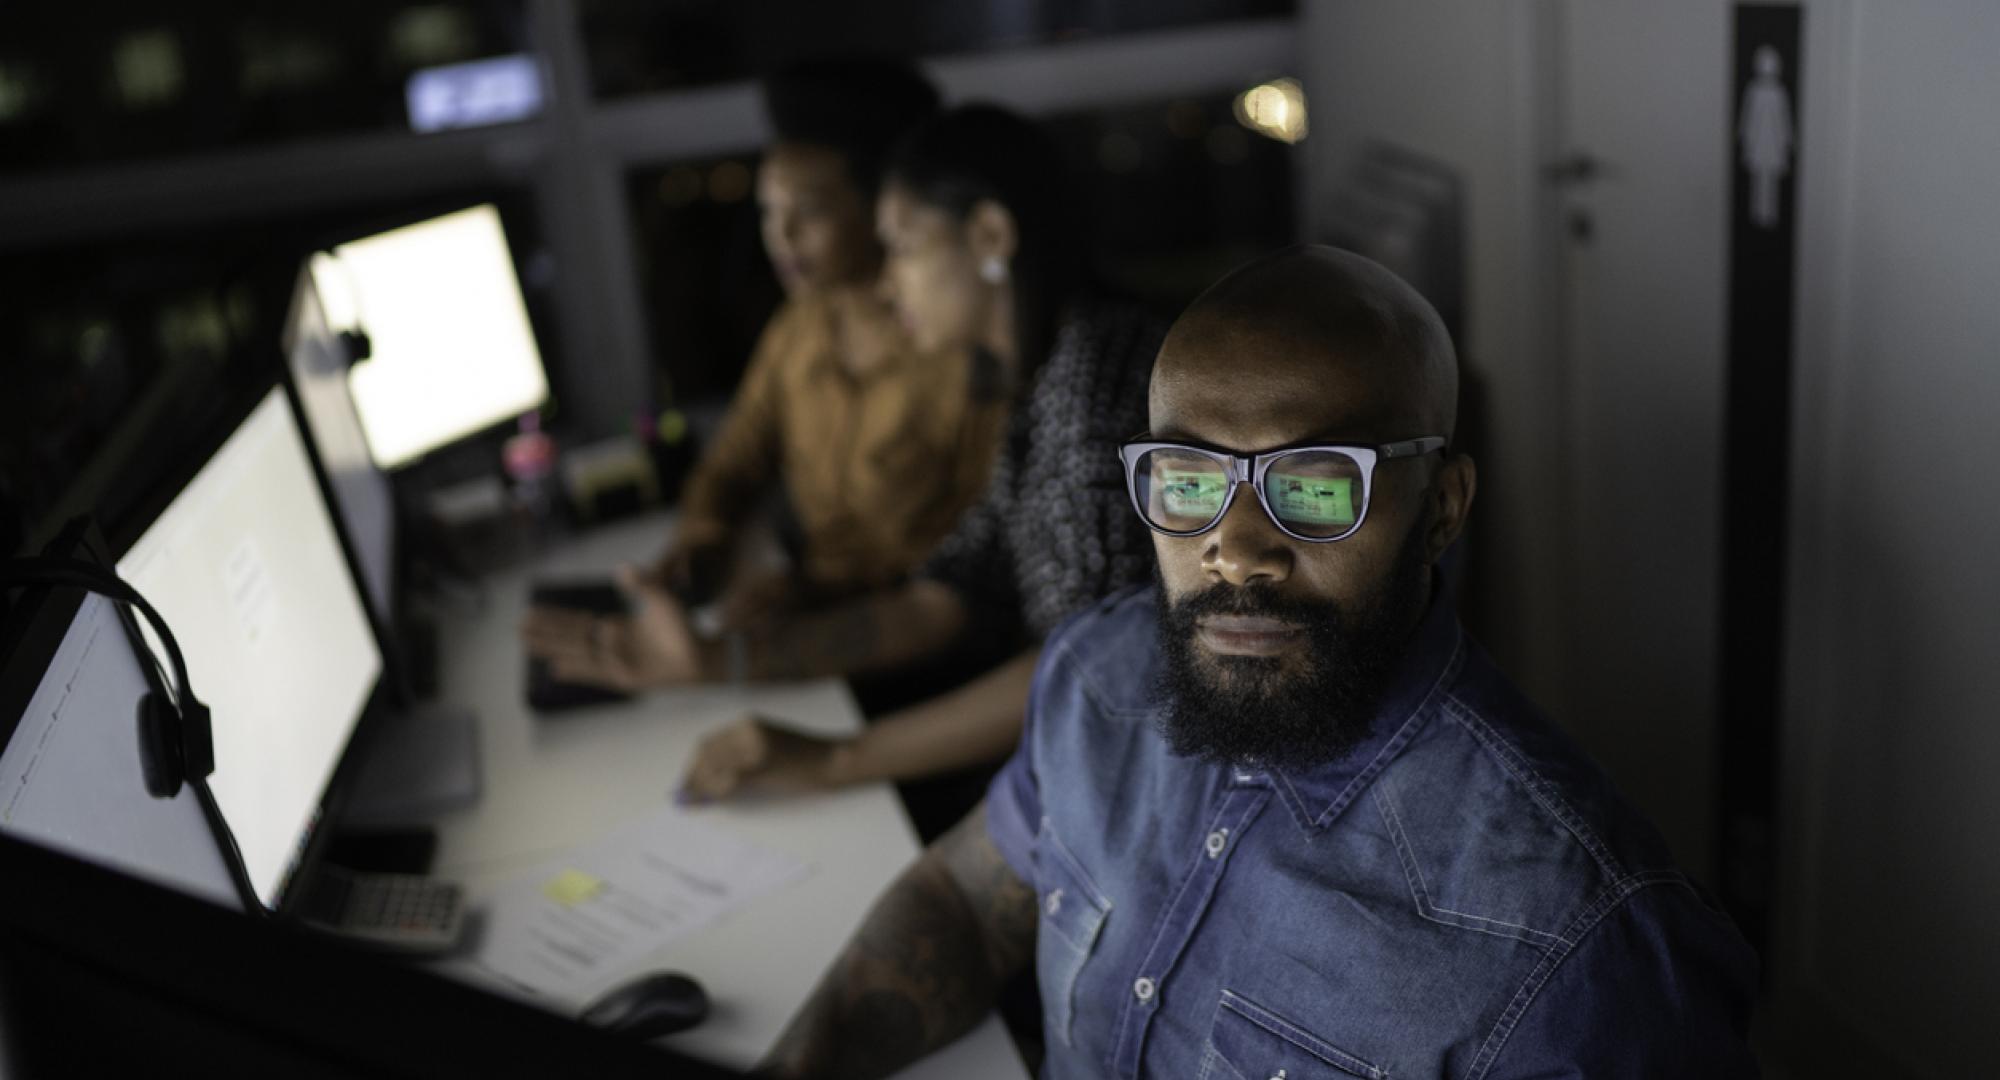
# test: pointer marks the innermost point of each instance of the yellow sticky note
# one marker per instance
(571, 887)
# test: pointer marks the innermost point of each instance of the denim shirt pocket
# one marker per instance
(1072, 914)
(1250, 1042)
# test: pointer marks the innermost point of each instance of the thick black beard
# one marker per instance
(1281, 712)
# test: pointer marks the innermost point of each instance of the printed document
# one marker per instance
(577, 921)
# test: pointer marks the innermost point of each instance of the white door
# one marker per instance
(1600, 354)
(1641, 182)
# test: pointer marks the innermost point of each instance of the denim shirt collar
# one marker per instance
(1317, 795)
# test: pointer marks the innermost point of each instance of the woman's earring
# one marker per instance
(993, 270)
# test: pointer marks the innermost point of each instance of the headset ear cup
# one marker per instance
(160, 746)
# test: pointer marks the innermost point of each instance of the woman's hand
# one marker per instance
(653, 647)
(752, 756)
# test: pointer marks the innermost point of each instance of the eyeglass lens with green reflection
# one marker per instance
(1313, 493)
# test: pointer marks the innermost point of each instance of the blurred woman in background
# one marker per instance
(981, 258)
(876, 448)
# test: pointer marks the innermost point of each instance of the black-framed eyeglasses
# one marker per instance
(1316, 493)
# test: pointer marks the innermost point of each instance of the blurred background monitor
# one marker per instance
(319, 358)
(450, 349)
(246, 567)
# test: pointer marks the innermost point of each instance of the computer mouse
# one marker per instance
(649, 1007)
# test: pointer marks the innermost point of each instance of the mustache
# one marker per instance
(1254, 601)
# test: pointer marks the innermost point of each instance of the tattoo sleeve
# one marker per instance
(925, 967)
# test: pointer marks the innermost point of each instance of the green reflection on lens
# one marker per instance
(1192, 493)
(1311, 500)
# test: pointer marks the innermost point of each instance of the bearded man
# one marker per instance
(1278, 816)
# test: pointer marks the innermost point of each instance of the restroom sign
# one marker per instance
(1766, 136)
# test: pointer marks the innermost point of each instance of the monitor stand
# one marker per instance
(422, 762)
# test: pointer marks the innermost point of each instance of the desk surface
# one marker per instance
(556, 783)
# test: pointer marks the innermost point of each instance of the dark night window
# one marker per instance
(84, 84)
(640, 46)
(1175, 194)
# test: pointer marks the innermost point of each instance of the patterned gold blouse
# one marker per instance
(880, 448)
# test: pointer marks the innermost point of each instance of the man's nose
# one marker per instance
(1245, 547)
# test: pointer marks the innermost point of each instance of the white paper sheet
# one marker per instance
(589, 918)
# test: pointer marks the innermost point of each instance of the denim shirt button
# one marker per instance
(1054, 902)
(1216, 841)
(1143, 989)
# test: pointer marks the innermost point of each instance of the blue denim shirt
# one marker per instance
(1463, 896)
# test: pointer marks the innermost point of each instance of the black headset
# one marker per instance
(176, 740)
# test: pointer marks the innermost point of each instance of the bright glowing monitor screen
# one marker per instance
(70, 777)
(247, 570)
(452, 350)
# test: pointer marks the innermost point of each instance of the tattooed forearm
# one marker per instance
(1005, 905)
(922, 971)
(898, 1022)
(913, 979)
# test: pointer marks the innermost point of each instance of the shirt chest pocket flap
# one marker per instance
(1251, 1042)
(1072, 915)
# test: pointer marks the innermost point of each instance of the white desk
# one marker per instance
(555, 783)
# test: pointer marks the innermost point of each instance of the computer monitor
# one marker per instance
(70, 777)
(451, 349)
(247, 569)
(318, 357)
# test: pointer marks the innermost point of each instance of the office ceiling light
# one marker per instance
(432, 34)
(283, 61)
(147, 69)
(1276, 109)
(17, 92)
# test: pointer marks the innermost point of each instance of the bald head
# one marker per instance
(1313, 338)
(1310, 346)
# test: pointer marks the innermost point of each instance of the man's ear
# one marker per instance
(991, 231)
(1451, 500)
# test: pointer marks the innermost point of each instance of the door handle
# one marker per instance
(1577, 169)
